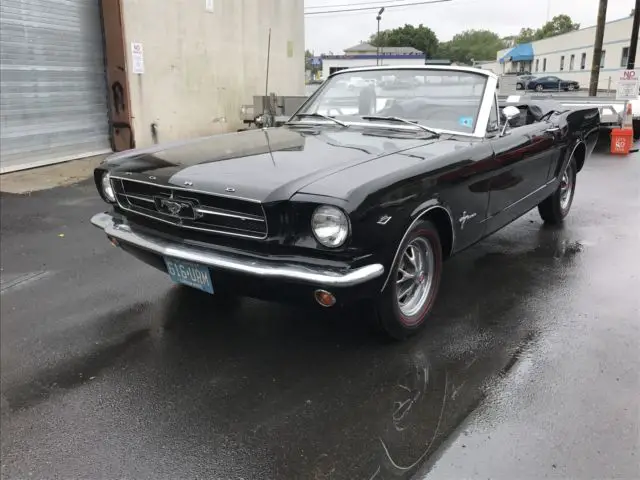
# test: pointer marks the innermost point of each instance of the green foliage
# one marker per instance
(471, 45)
(308, 55)
(556, 26)
(421, 38)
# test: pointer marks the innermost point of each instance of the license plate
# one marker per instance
(191, 274)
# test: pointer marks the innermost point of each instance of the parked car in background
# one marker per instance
(523, 81)
(552, 83)
(357, 199)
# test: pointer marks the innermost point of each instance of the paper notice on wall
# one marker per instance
(137, 58)
(289, 49)
(208, 5)
(628, 85)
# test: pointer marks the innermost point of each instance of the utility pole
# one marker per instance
(597, 48)
(633, 47)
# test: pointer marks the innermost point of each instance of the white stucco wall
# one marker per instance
(201, 66)
(616, 36)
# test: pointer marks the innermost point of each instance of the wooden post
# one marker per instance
(597, 48)
(633, 47)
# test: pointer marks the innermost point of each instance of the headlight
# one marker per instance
(107, 189)
(330, 226)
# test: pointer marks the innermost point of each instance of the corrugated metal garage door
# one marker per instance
(53, 96)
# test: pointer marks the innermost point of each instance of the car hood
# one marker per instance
(264, 165)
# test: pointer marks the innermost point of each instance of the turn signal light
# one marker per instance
(324, 298)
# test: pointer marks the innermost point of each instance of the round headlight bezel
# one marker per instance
(339, 238)
(107, 188)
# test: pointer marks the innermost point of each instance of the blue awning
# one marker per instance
(520, 53)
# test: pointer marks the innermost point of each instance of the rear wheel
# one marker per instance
(555, 208)
(413, 284)
(539, 88)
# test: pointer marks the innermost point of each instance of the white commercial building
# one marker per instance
(85, 77)
(569, 56)
(366, 55)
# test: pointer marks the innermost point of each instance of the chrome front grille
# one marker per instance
(192, 209)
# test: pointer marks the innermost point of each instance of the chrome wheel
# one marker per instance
(566, 189)
(415, 276)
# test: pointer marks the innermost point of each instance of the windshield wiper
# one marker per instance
(400, 120)
(319, 115)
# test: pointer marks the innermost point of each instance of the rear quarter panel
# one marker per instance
(579, 128)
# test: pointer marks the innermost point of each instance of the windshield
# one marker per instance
(446, 100)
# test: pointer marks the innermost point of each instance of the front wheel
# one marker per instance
(413, 283)
(555, 208)
(539, 88)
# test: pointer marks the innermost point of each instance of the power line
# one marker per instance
(375, 8)
(355, 4)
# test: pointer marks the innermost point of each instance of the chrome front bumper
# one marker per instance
(265, 269)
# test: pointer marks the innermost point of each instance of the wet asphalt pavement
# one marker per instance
(529, 367)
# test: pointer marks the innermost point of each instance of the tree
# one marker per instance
(308, 65)
(557, 26)
(421, 38)
(472, 44)
(526, 35)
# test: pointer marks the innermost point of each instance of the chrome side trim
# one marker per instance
(298, 273)
(526, 196)
(416, 220)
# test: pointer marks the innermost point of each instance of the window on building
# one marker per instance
(583, 61)
(602, 57)
(625, 57)
(572, 62)
(562, 63)
(537, 64)
(544, 65)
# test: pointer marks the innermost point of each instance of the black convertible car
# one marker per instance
(360, 196)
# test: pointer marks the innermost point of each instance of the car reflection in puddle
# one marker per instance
(293, 393)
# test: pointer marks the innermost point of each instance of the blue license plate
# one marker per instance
(191, 274)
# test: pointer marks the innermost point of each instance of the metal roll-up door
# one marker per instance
(53, 98)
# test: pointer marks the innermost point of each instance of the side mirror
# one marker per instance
(510, 113)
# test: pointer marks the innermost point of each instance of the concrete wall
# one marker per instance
(201, 65)
(370, 61)
(616, 36)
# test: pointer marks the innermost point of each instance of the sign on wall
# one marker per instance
(628, 85)
(137, 58)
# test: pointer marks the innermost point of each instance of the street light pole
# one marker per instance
(379, 17)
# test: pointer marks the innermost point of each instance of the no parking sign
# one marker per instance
(628, 85)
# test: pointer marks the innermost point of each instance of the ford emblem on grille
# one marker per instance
(176, 208)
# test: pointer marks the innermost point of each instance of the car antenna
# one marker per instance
(267, 114)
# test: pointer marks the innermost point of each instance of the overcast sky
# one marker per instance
(337, 31)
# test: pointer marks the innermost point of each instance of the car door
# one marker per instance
(522, 159)
(552, 83)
